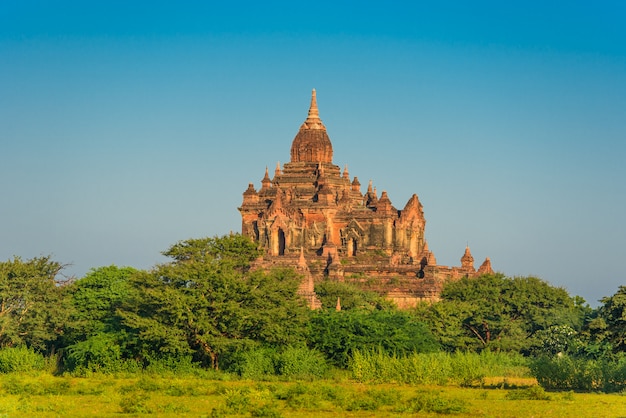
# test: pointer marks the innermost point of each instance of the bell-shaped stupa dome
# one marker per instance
(312, 143)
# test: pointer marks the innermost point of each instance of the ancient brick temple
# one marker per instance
(310, 215)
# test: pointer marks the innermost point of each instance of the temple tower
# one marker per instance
(310, 214)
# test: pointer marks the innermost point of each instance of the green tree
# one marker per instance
(558, 340)
(349, 296)
(96, 297)
(95, 337)
(445, 321)
(32, 307)
(610, 325)
(500, 313)
(338, 334)
(235, 250)
(208, 302)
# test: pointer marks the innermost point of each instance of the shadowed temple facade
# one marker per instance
(312, 216)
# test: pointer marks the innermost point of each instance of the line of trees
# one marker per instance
(207, 307)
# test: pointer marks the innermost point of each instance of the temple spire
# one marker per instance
(302, 260)
(313, 120)
(312, 143)
(313, 111)
(266, 183)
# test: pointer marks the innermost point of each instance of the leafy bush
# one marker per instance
(567, 373)
(237, 400)
(468, 368)
(292, 363)
(433, 402)
(505, 364)
(99, 353)
(301, 363)
(557, 339)
(255, 364)
(614, 375)
(373, 400)
(300, 396)
(465, 369)
(581, 374)
(424, 368)
(20, 359)
(170, 365)
(338, 334)
(375, 366)
(532, 393)
(135, 404)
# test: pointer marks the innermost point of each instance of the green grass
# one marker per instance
(44, 395)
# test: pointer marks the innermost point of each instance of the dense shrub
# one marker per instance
(564, 372)
(179, 366)
(532, 393)
(338, 334)
(463, 368)
(468, 368)
(301, 363)
(20, 359)
(100, 353)
(380, 367)
(433, 402)
(292, 362)
(614, 373)
(254, 364)
(505, 364)
(567, 373)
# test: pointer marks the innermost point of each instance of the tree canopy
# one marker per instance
(338, 334)
(207, 305)
(207, 302)
(32, 310)
(96, 297)
(349, 297)
(608, 328)
(497, 312)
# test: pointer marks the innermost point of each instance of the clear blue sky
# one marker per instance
(127, 126)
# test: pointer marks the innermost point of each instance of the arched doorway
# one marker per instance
(281, 242)
(352, 247)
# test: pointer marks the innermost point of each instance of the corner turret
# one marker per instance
(467, 261)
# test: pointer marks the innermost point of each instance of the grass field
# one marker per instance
(45, 395)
